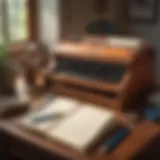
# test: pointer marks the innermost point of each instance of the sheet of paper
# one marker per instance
(59, 106)
(124, 42)
(85, 126)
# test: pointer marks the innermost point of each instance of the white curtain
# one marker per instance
(49, 20)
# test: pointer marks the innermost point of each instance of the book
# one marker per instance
(83, 129)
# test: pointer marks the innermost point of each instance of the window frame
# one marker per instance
(32, 9)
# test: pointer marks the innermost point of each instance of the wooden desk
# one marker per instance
(21, 143)
(26, 145)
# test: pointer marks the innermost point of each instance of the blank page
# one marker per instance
(85, 126)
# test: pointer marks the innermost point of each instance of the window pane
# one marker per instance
(1, 32)
(17, 19)
(1, 35)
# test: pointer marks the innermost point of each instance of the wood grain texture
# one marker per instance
(29, 145)
(64, 78)
(111, 103)
(139, 77)
(136, 141)
(93, 52)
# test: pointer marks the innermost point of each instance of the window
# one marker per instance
(49, 31)
(1, 35)
(15, 17)
(1, 32)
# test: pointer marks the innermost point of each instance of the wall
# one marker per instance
(152, 33)
(76, 14)
(68, 18)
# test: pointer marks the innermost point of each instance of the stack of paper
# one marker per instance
(83, 129)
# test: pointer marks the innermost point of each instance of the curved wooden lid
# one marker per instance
(109, 49)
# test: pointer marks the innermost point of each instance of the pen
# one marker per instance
(46, 117)
(42, 118)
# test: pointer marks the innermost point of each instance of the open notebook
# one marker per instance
(84, 128)
(78, 125)
(51, 115)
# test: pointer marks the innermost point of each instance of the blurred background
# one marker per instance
(52, 20)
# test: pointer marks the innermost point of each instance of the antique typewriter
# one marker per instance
(117, 72)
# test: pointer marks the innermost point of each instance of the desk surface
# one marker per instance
(14, 133)
(132, 144)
